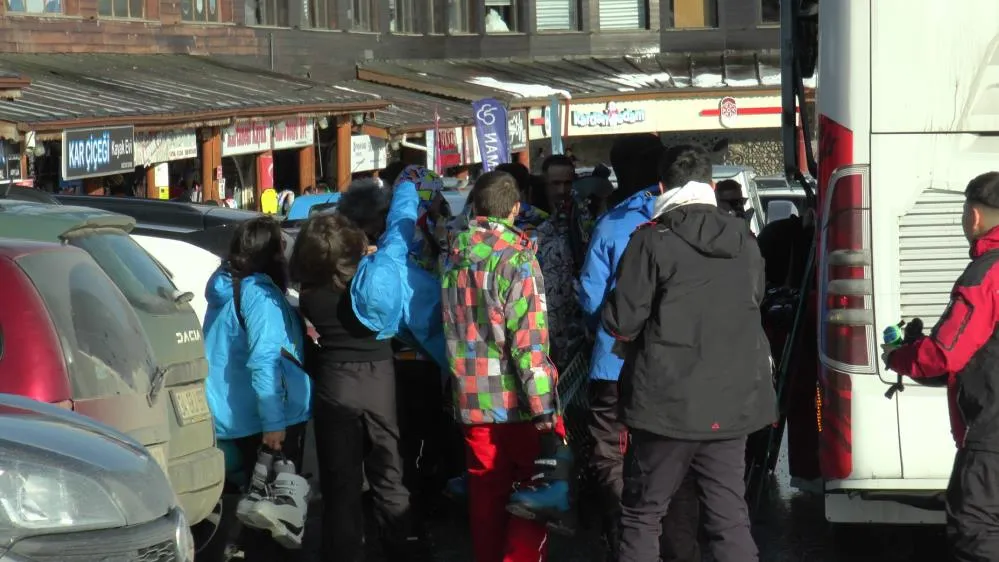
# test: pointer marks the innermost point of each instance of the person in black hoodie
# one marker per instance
(696, 375)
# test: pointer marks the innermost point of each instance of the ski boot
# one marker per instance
(546, 496)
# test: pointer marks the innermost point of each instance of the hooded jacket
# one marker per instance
(256, 382)
(686, 309)
(392, 295)
(607, 244)
(495, 322)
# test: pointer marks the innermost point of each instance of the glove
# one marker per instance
(886, 350)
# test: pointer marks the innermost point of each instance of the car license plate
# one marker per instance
(191, 405)
(158, 452)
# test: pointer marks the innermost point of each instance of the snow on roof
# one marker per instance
(518, 89)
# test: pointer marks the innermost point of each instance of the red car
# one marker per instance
(69, 337)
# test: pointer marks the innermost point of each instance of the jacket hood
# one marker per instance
(484, 239)
(985, 243)
(219, 289)
(692, 214)
(642, 201)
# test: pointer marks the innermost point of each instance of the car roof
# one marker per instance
(39, 221)
(727, 171)
(18, 193)
(14, 248)
(174, 213)
(300, 207)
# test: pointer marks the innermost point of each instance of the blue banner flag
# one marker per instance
(491, 132)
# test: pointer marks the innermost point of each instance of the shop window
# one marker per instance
(624, 14)
(460, 16)
(502, 16)
(135, 9)
(322, 14)
(557, 15)
(692, 14)
(770, 11)
(34, 6)
(404, 15)
(438, 17)
(272, 13)
(200, 10)
(364, 15)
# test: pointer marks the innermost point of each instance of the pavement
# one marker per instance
(789, 527)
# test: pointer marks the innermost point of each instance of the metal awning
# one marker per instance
(80, 90)
(522, 82)
(11, 84)
(410, 111)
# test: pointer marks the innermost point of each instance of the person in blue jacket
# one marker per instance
(257, 389)
(391, 294)
(635, 159)
(358, 293)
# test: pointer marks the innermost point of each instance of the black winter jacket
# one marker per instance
(686, 307)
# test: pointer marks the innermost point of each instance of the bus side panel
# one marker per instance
(918, 182)
(934, 66)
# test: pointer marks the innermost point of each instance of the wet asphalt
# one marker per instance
(789, 526)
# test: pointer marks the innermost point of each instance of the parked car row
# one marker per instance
(91, 322)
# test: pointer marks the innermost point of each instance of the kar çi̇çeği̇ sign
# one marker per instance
(102, 151)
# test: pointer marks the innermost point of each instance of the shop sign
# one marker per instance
(293, 133)
(88, 153)
(367, 153)
(611, 115)
(10, 162)
(247, 137)
(449, 147)
(470, 147)
(539, 122)
(167, 146)
(728, 112)
(517, 130)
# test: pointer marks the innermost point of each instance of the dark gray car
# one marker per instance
(75, 490)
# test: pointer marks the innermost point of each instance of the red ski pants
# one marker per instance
(497, 456)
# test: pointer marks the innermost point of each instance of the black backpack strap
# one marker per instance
(237, 301)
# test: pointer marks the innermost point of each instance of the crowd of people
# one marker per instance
(660, 280)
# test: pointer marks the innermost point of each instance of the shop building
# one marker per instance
(159, 125)
(729, 102)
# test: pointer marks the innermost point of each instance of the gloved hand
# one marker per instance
(887, 349)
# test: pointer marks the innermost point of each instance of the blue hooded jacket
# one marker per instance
(255, 378)
(609, 239)
(391, 295)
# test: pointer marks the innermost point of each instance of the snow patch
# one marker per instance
(518, 89)
(708, 80)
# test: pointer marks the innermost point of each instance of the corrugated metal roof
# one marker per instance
(410, 111)
(67, 87)
(539, 78)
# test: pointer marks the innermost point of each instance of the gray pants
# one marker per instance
(654, 468)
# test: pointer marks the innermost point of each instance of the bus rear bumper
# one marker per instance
(885, 507)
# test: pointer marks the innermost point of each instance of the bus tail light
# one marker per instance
(847, 343)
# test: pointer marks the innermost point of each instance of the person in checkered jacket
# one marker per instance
(495, 324)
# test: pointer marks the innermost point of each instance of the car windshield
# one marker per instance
(143, 282)
(106, 350)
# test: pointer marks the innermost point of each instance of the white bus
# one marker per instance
(908, 113)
